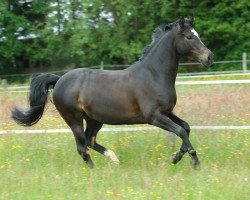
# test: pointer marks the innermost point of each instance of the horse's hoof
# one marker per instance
(192, 152)
(196, 165)
(174, 159)
(90, 164)
(112, 157)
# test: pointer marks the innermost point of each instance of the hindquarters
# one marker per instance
(66, 98)
(66, 91)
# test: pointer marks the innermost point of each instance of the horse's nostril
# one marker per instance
(210, 57)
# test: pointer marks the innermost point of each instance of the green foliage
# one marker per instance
(82, 33)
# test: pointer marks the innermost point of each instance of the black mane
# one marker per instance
(157, 35)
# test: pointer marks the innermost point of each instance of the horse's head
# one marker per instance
(188, 42)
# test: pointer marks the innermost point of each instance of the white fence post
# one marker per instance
(101, 66)
(244, 62)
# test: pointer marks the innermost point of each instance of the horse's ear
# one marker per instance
(192, 19)
(181, 21)
(167, 27)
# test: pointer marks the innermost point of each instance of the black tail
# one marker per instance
(38, 98)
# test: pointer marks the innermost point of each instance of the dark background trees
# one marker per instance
(40, 35)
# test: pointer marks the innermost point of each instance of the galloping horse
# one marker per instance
(144, 93)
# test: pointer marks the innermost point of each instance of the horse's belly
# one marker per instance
(119, 120)
(111, 116)
(109, 99)
(113, 112)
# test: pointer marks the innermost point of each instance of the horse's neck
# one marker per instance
(163, 60)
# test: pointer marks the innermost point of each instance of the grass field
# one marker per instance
(47, 166)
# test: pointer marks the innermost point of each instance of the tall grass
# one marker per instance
(197, 104)
(47, 166)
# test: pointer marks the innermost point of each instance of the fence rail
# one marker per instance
(207, 75)
(121, 129)
(102, 66)
(16, 89)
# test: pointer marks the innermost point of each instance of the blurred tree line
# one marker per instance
(36, 35)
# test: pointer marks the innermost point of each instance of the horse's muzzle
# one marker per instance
(206, 58)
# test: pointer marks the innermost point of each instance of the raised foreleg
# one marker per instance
(165, 122)
(178, 156)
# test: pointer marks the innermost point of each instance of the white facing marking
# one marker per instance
(196, 34)
(111, 156)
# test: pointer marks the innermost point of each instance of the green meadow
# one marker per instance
(47, 166)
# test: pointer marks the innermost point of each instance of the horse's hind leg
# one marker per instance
(75, 122)
(91, 131)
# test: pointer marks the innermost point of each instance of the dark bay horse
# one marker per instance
(144, 93)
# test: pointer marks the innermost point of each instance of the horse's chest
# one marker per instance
(167, 101)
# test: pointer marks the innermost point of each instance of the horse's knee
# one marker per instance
(186, 126)
(181, 132)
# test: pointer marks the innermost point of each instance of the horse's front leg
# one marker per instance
(165, 122)
(178, 156)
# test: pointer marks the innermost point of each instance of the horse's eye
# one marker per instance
(189, 37)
